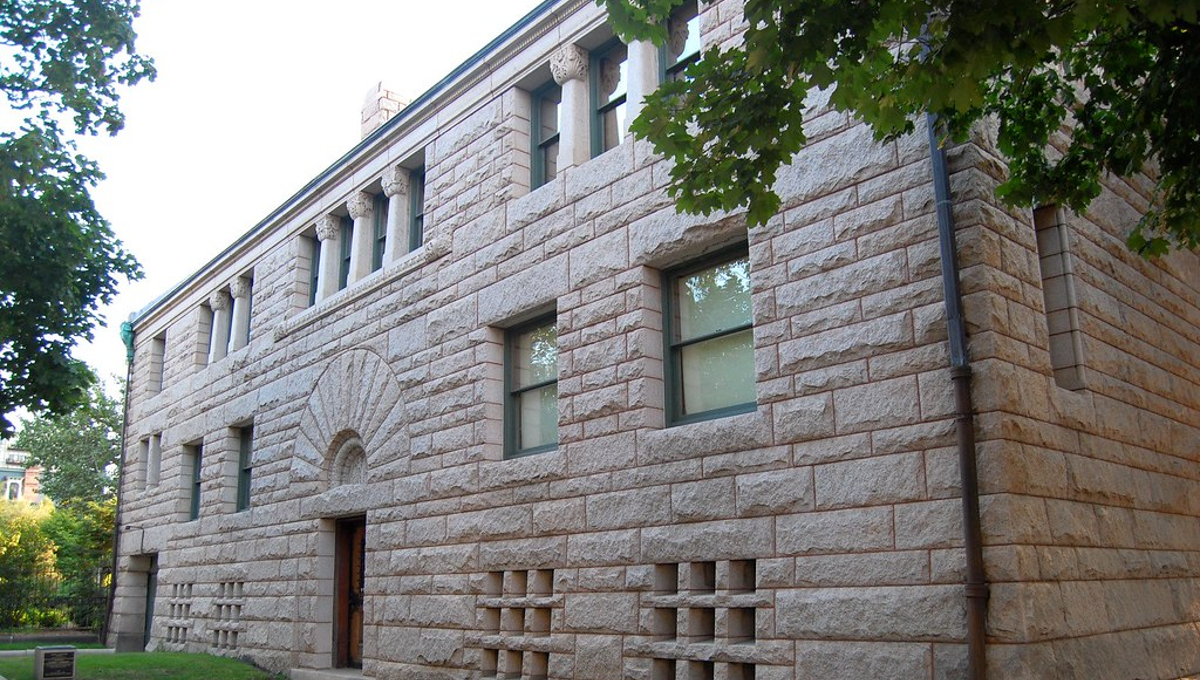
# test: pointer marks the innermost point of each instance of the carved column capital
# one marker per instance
(360, 205)
(570, 62)
(395, 181)
(328, 228)
(219, 301)
(239, 288)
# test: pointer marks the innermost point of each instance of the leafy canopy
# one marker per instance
(1121, 77)
(79, 451)
(61, 65)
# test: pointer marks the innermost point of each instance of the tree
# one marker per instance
(83, 539)
(27, 576)
(1120, 79)
(59, 259)
(79, 451)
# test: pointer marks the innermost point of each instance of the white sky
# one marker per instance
(253, 99)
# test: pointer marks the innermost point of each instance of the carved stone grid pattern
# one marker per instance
(685, 608)
(228, 614)
(179, 613)
(515, 613)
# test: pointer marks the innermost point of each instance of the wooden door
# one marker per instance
(348, 598)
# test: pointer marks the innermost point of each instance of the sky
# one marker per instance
(254, 98)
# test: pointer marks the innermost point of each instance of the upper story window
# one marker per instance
(683, 42)
(416, 222)
(379, 241)
(158, 350)
(531, 379)
(313, 247)
(346, 242)
(193, 463)
(546, 124)
(709, 338)
(609, 79)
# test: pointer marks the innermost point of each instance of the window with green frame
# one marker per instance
(545, 124)
(314, 268)
(195, 454)
(709, 338)
(609, 84)
(379, 243)
(245, 447)
(345, 241)
(416, 222)
(683, 42)
(531, 387)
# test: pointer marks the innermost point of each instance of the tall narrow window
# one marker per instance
(1058, 290)
(158, 350)
(194, 462)
(245, 446)
(314, 268)
(710, 342)
(346, 241)
(531, 376)
(609, 82)
(379, 243)
(153, 460)
(416, 223)
(546, 123)
(683, 42)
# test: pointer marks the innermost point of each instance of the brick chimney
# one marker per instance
(379, 106)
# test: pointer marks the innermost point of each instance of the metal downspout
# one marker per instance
(127, 338)
(976, 589)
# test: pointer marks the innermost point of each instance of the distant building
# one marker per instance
(476, 402)
(19, 483)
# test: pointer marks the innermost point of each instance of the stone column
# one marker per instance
(642, 70)
(328, 230)
(240, 334)
(395, 187)
(218, 341)
(361, 207)
(569, 65)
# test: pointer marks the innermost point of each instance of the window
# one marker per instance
(1058, 291)
(531, 385)
(609, 79)
(346, 241)
(416, 223)
(683, 42)
(546, 123)
(245, 446)
(314, 268)
(193, 460)
(153, 450)
(379, 243)
(709, 340)
(158, 349)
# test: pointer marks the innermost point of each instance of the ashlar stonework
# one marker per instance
(496, 445)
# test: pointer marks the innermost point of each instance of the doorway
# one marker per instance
(151, 594)
(350, 573)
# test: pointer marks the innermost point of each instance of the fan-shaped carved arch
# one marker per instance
(355, 409)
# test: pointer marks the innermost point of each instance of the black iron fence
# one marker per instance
(40, 600)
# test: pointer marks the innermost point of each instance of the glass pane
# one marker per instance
(536, 359)
(683, 41)
(550, 160)
(612, 125)
(538, 417)
(548, 115)
(718, 372)
(612, 76)
(714, 299)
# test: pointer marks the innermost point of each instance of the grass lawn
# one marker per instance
(144, 666)
(9, 646)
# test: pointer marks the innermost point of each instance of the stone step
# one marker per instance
(325, 674)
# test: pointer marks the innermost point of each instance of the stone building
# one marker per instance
(476, 402)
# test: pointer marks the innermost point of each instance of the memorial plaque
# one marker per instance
(54, 663)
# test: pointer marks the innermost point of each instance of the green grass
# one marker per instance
(145, 666)
(9, 646)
